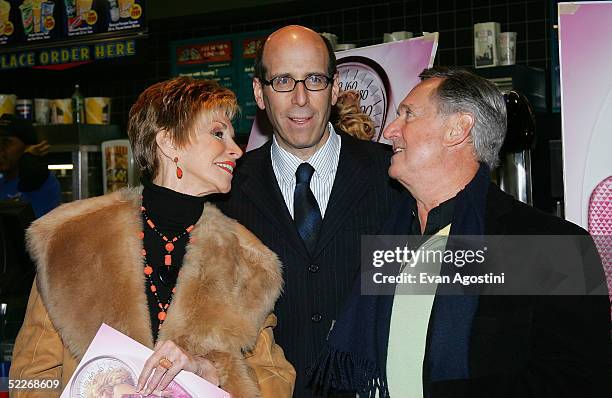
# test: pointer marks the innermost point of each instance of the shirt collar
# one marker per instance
(287, 163)
(437, 218)
(320, 161)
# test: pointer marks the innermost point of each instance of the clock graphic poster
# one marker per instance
(370, 81)
(382, 74)
(112, 364)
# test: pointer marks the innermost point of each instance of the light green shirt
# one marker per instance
(408, 330)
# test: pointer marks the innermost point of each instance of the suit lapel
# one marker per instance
(350, 184)
(261, 187)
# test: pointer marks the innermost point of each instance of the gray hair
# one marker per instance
(463, 91)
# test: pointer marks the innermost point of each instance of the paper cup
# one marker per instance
(61, 111)
(83, 7)
(36, 19)
(47, 12)
(345, 46)
(97, 110)
(125, 8)
(27, 17)
(7, 104)
(42, 110)
(332, 38)
(506, 45)
(5, 10)
(401, 35)
(486, 37)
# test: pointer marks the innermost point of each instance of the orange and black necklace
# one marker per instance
(167, 274)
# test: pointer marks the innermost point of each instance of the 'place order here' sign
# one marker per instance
(68, 54)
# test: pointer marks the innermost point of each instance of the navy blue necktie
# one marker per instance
(306, 211)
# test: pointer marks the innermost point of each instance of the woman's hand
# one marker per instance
(166, 362)
(40, 149)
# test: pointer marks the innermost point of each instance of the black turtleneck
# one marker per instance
(172, 212)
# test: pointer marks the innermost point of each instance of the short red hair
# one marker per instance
(173, 106)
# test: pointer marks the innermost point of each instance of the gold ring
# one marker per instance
(165, 363)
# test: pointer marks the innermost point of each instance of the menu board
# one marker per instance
(28, 21)
(85, 17)
(229, 60)
(39, 21)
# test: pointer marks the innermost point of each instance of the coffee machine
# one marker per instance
(514, 172)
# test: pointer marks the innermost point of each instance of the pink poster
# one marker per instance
(382, 74)
(111, 367)
(585, 54)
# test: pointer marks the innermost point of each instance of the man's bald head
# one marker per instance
(294, 35)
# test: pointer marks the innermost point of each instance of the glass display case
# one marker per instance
(75, 156)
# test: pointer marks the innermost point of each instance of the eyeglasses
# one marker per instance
(285, 84)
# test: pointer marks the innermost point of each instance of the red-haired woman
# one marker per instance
(160, 264)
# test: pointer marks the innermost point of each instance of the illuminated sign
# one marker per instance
(68, 54)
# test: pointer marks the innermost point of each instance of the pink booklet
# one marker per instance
(111, 366)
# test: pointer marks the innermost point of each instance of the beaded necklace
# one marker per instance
(148, 269)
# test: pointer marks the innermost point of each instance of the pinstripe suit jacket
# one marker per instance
(316, 285)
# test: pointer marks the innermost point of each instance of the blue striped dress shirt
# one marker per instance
(324, 161)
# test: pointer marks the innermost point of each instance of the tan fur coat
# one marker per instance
(90, 271)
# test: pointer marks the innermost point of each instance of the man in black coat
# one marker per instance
(482, 340)
(315, 226)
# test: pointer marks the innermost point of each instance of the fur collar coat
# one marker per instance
(90, 271)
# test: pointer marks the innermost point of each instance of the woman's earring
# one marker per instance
(179, 171)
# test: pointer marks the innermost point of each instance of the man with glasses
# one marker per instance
(310, 193)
